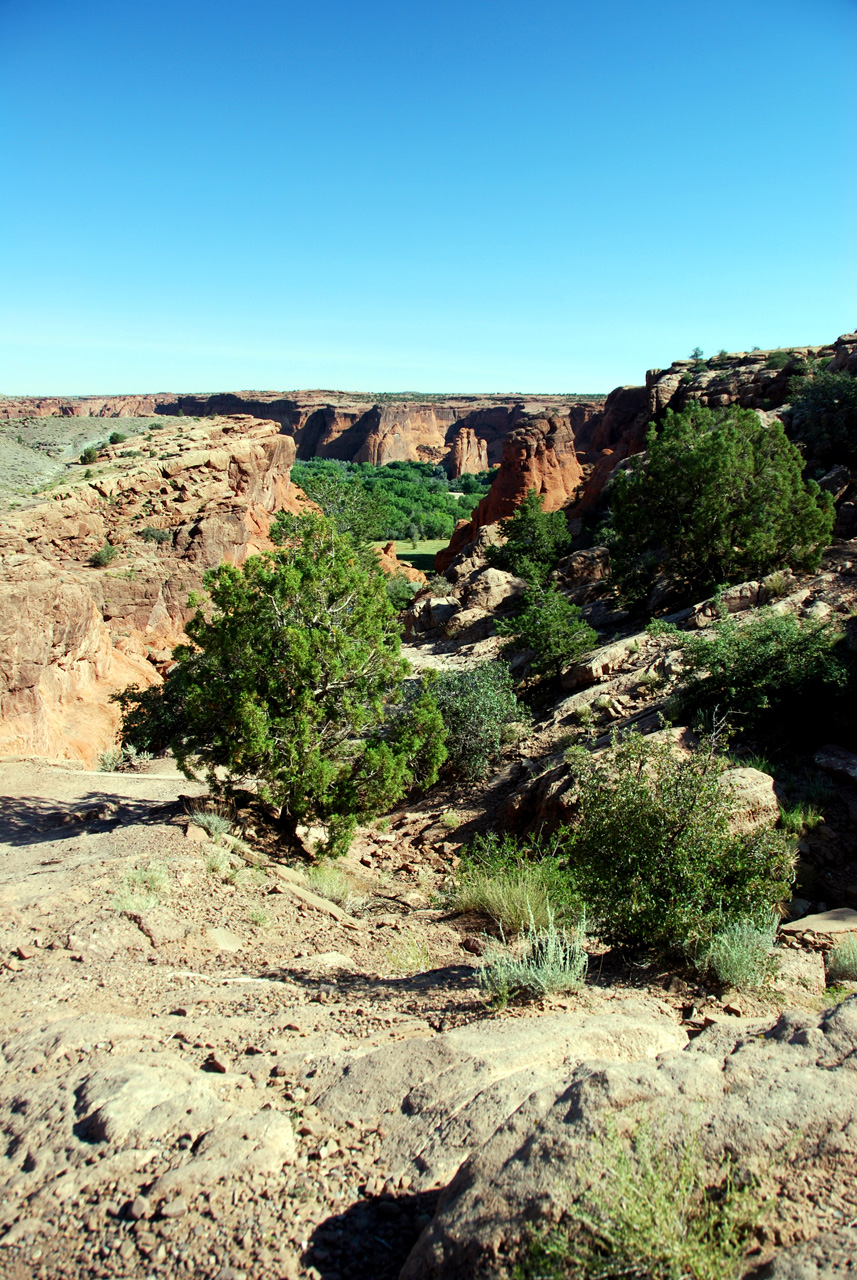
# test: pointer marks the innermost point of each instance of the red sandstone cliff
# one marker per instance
(71, 635)
(464, 433)
(539, 454)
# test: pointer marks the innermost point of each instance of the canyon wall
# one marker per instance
(569, 458)
(463, 433)
(71, 634)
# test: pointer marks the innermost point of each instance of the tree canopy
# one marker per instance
(535, 540)
(399, 500)
(717, 498)
(290, 678)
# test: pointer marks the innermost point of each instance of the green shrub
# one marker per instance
(89, 455)
(475, 705)
(515, 883)
(551, 625)
(287, 679)
(400, 591)
(824, 415)
(439, 585)
(116, 437)
(647, 1208)
(142, 888)
(717, 498)
(155, 535)
(328, 881)
(842, 961)
(739, 954)
(535, 541)
(651, 853)
(103, 556)
(215, 825)
(779, 359)
(774, 673)
(799, 818)
(550, 960)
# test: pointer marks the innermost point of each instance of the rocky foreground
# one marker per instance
(207, 1068)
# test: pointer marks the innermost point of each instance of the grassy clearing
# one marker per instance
(422, 555)
(651, 1210)
(142, 888)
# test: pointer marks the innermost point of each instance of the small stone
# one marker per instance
(25, 953)
(476, 946)
(217, 1062)
(175, 1209)
(140, 1208)
(734, 1009)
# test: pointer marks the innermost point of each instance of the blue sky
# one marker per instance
(485, 195)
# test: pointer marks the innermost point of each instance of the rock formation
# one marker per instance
(72, 634)
(771, 1099)
(539, 454)
(464, 433)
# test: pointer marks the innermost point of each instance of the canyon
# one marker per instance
(214, 469)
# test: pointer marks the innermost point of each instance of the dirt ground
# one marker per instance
(125, 930)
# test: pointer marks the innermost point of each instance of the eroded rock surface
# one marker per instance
(782, 1104)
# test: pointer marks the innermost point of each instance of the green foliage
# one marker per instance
(696, 354)
(550, 960)
(142, 888)
(535, 541)
(116, 437)
(779, 359)
(89, 455)
(155, 535)
(842, 961)
(824, 415)
(718, 498)
(400, 591)
(650, 1208)
(774, 673)
(399, 501)
(651, 853)
(516, 884)
(288, 680)
(739, 954)
(551, 625)
(799, 818)
(475, 705)
(103, 556)
(439, 585)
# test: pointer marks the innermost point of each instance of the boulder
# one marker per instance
(596, 665)
(769, 1100)
(755, 805)
(492, 589)
(437, 1099)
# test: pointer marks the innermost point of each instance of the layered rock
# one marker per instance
(538, 455)
(764, 1100)
(72, 635)
(464, 433)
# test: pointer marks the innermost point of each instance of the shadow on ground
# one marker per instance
(28, 820)
(371, 1239)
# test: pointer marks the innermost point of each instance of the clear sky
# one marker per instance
(432, 195)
